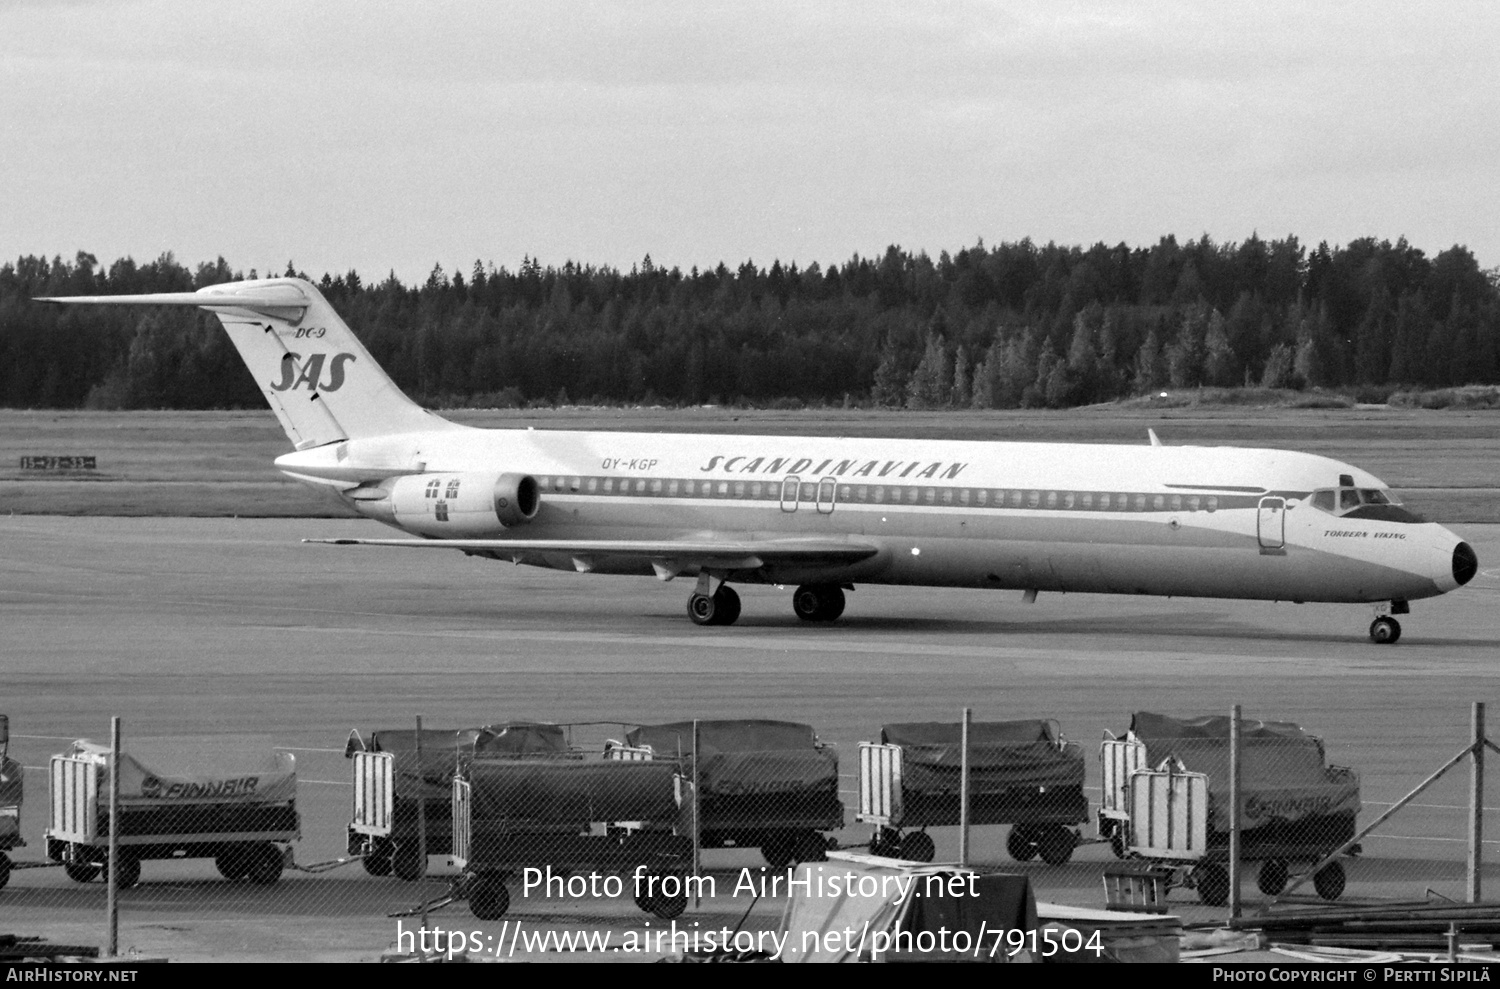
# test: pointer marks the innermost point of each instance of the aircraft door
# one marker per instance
(789, 491)
(1271, 523)
(827, 488)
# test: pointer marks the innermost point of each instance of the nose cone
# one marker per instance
(1465, 563)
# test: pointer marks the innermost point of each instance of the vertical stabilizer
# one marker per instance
(317, 377)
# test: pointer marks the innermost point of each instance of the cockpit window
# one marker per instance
(1344, 501)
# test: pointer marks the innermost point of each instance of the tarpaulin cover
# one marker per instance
(746, 757)
(871, 897)
(519, 793)
(236, 779)
(444, 750)
(1282, 770)
(1002, 755)
(11, 778)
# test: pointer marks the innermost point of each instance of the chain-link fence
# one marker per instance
(619, 828)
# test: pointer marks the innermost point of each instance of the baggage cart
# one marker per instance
(1166, 802)
(1021, 773)
(765, 784)
(244, 819)
(564, 816)
(12, 779)
(389, 786)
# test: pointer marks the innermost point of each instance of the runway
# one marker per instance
(215, 633)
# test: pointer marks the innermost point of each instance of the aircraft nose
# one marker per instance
(1465, 563)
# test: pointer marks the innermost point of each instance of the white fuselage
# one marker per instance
(1167, 520)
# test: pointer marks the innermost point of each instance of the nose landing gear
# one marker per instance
(1385, 630)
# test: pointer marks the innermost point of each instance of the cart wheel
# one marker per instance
(1213, 885)
(1056, 845)
(377, 861)
(810, 847)
(1020, 844)
(406, 863)
(81, 872)
(918, 847)
(488, 897)
(885, 842)
(1271, 879)
(233, 864)
(130, 871)
(265, 864)
(669, 907)
(777, 850)
(1329, 882)
(1117, 843)
(4, 869)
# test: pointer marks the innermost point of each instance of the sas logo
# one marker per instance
(295, 372)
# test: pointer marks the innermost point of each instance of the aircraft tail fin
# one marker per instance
(317, 377)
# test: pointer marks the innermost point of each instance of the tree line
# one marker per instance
(1005, 326)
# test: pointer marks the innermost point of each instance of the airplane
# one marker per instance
(824, 513)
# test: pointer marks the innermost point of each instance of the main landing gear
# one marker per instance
(818, 602)
(811, 602)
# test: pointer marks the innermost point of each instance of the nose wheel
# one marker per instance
(1385, 630)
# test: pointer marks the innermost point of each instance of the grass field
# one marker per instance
(219, 463)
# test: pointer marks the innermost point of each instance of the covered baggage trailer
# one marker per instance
(765, 784)
(389, 786)
(1166, 800)
(1021, 773)
(514, 814)
(243, 818)
(12, 779)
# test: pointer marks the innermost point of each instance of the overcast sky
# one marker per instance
(379, 136)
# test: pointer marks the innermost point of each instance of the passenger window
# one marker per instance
(1159, 502)
(609, 485)
(879, 493)
(1213, 503)
(982, 496)
(723, 489)
(574, 483)
(1348, 498)
(640, 486)
(930, 494)
(947, 496)
(1177, 503)
(1104, 503)
(1069, 499)
(739, 489)
(1051, 499)
(1192, 503)
(862, 493)
(593, 485)
(1033, 499)
(673, 488)
(845, 493)
(656, 486)
(963, 496)
(911, 495)
(1088, 499)
(1140, 503)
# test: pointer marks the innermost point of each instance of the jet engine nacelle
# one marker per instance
(467, 505)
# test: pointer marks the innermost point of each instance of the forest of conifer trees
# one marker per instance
(1013, 325)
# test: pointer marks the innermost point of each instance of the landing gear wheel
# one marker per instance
(233, 864)
(818, 602)
(918, 847)
(1385, 630)
(1271, 879)
(81, 872)
(670, 907)
(778, 851)
(406, 863)
(130, 872)
(488, 897)
(1213, 885)
(1329, 882)
(1117, 843)
(1020, 844)
(810, 847)
(1056, 845)
(726, 605)
(265, 864)
(702, 609)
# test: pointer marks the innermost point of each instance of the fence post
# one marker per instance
(112, 894)
(697, 829)
(1234, 810)
(421, 827)
(1476, 802)
(963, 789)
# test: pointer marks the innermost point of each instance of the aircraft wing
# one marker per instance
(668, 557)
